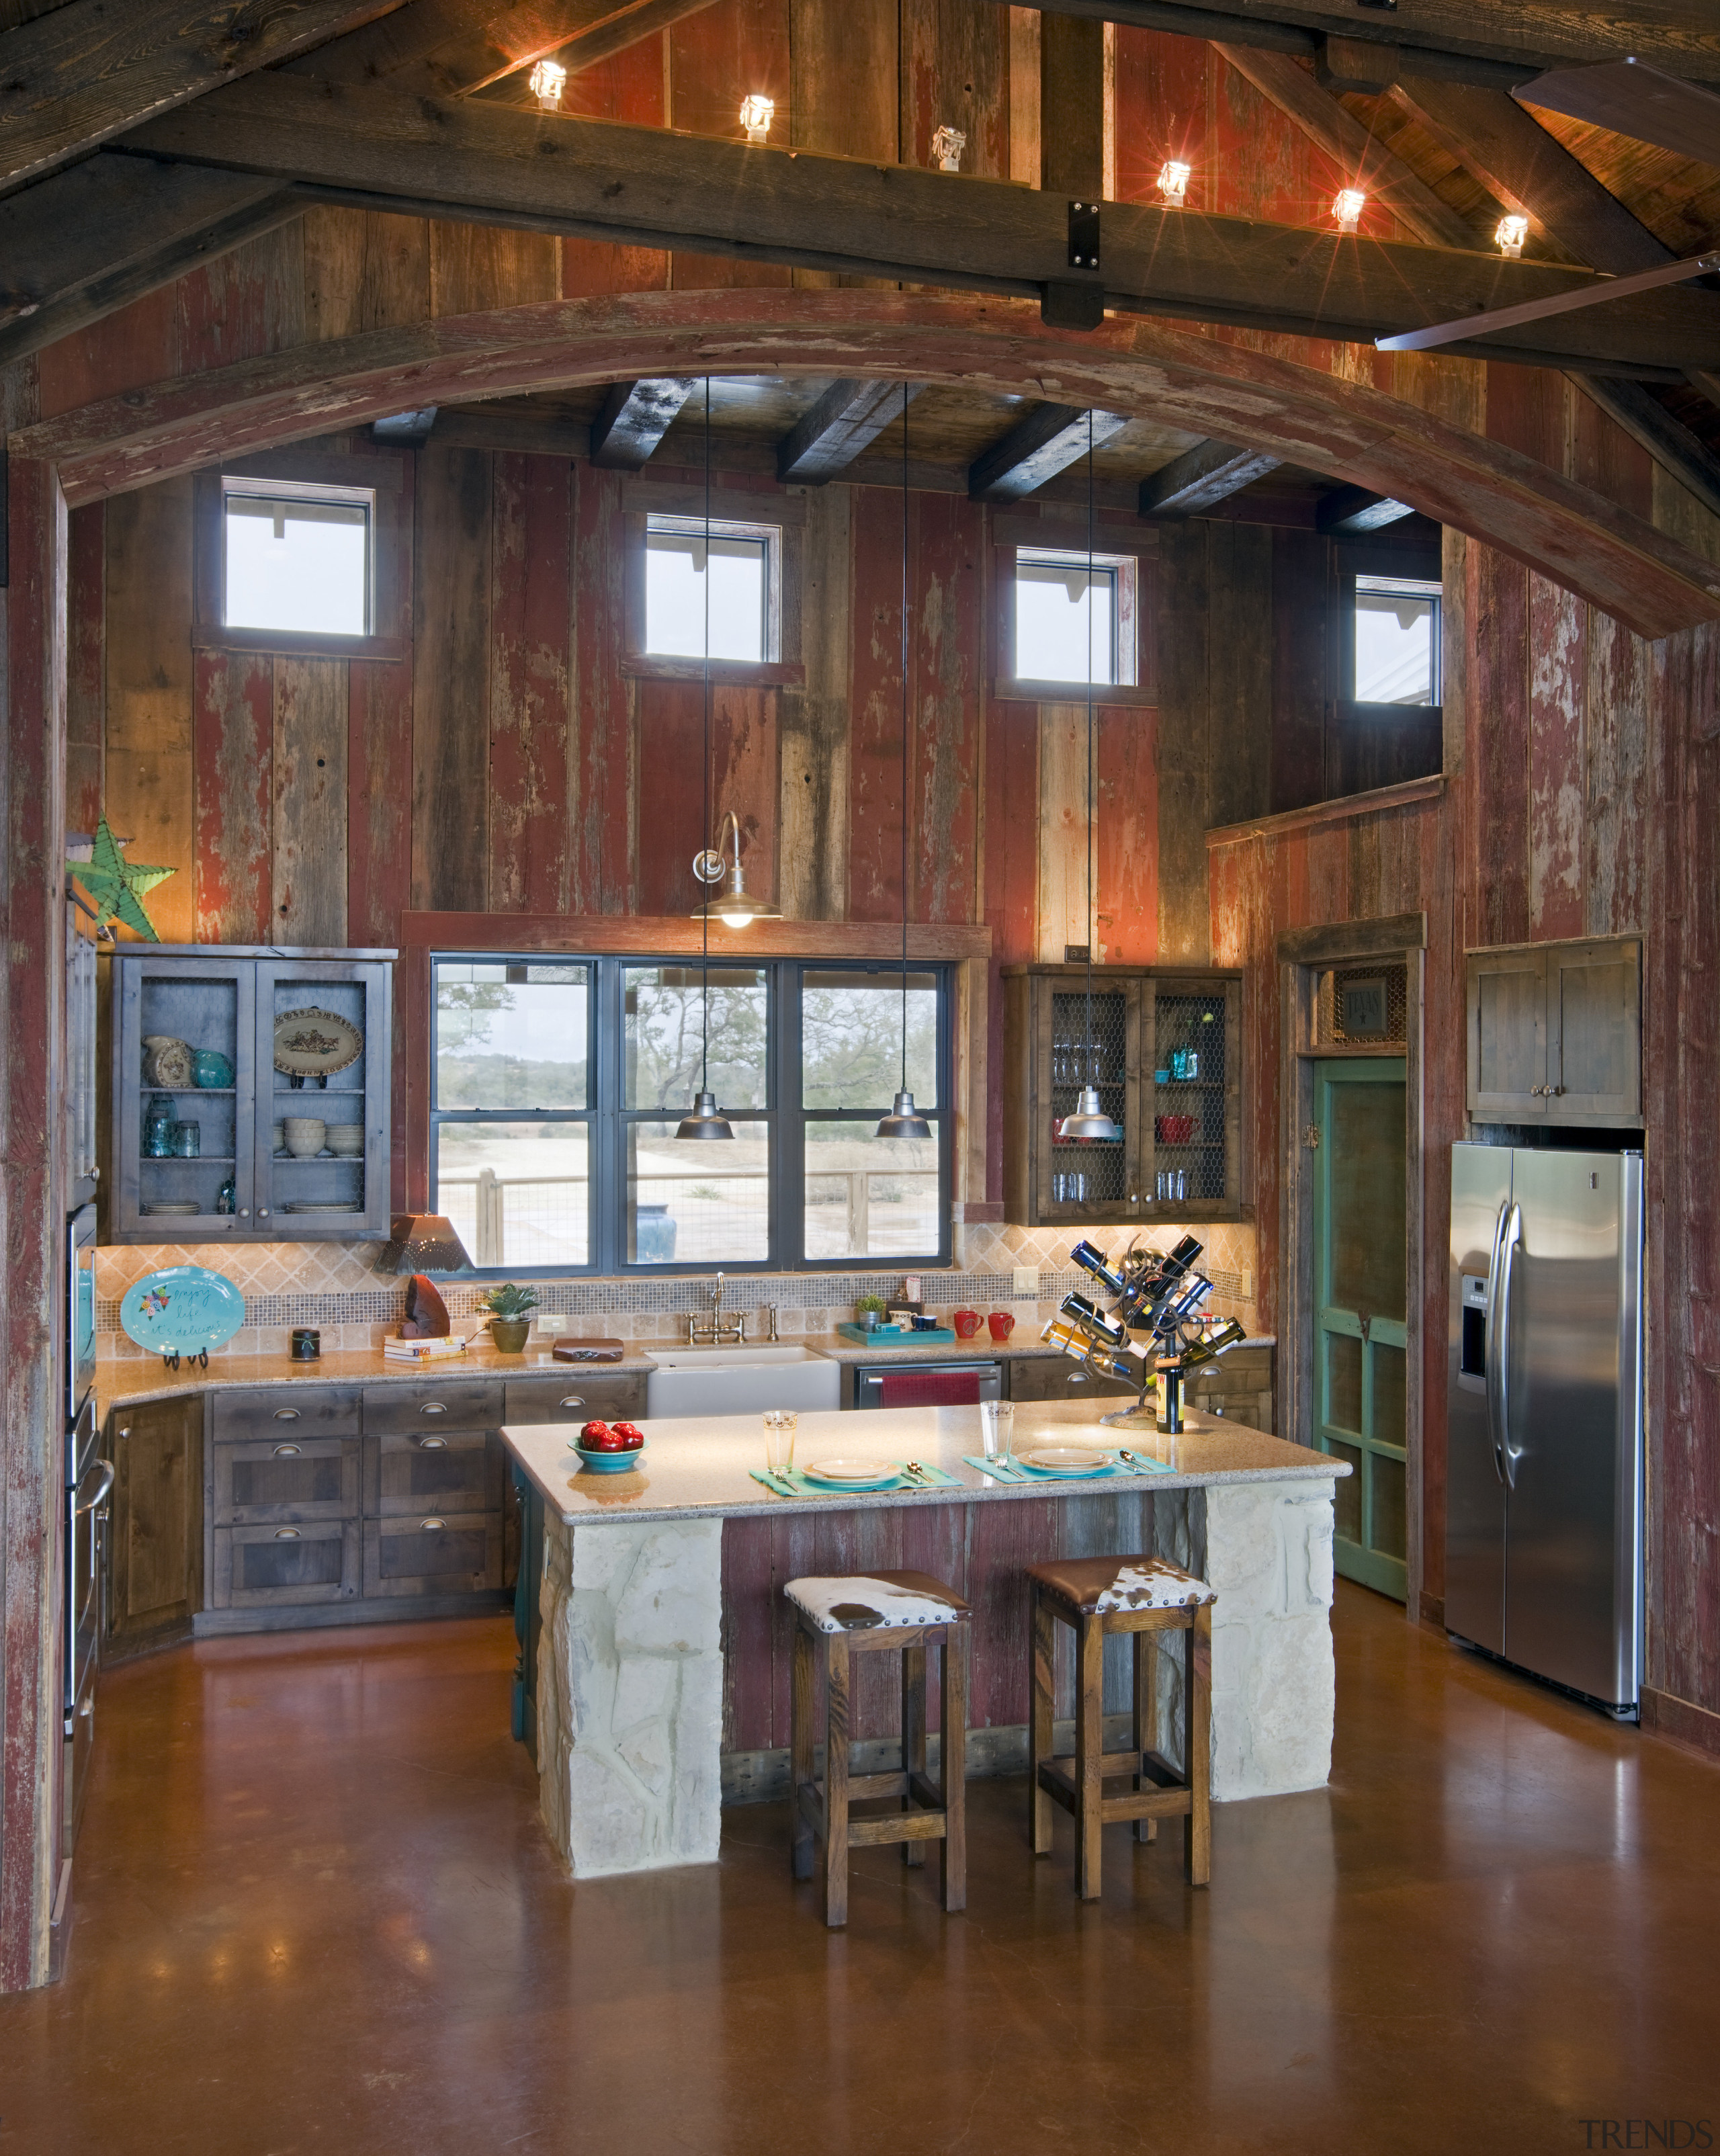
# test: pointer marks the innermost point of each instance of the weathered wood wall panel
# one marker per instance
(86, 664)
(232, 749)
(450, 684)
(309, 769)
(529, 706)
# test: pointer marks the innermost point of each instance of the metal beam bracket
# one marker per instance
(1083, 235)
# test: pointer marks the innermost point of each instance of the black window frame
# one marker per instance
(1413, 570)
(784, 1115)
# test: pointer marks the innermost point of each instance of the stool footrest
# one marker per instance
(896, 1826)
(1059, 1784)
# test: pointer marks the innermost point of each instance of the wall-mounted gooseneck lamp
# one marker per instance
(735, 907)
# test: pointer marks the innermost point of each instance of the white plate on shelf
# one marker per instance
(1065, 1460)
(177, 1206)
(306, 1206)
(851, 1474)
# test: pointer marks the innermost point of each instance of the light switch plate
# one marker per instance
(1027, 1283)
(1248, 1284)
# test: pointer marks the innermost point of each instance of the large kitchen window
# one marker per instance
(557, 1086)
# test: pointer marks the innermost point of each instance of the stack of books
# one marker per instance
(442, 1350)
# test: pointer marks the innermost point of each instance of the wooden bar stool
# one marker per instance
(835, 1620)
(1147, 1596)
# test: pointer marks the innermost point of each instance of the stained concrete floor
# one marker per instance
(316, 1914)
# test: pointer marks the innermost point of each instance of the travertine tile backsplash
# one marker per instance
(335, 1287)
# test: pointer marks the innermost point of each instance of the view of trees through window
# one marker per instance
(517, 1127)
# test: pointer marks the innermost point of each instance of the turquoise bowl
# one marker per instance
(610, 1463)
(209, 1067)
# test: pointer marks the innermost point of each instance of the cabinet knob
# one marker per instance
(288, 1451)
(286, 1414)
(428, 1526)
(286, 1534)
(124, 1430)
(244, 1212)
(573, 1400)
(262, 1212)
(431, 1407)
(434, 1444)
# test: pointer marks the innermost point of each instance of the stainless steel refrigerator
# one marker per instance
(1543, 1498)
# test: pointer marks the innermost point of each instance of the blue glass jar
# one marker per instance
(158, 1126)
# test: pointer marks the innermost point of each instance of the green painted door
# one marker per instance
(1360, 1278)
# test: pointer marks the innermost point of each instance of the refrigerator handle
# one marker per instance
(1499, 1345)
(1494, 1359)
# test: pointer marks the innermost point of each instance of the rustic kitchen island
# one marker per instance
(662, 1659)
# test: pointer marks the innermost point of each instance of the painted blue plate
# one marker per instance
(182, 1310)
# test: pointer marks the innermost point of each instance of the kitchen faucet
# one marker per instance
(718, 1333)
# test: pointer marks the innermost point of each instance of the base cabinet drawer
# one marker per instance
(1058, 1378)
(424, 1471)
(577, 1394)
(457, 1403)
(434, 1553)
(276, 1568)
(297, 1410)
(286, 1480)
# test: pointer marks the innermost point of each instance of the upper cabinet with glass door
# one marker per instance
(250, 1095)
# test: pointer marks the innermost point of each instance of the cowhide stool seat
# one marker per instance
(1093, 1596)
(835, 1620)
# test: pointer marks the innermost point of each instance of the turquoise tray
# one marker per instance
(890, 1336)
(182, 1310)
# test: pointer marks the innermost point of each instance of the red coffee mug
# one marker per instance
(1002, 1324)
(967, 1323)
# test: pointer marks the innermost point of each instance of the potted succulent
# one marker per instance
(869, 1312)
(509, 1309)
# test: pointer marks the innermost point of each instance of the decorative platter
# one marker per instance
(315, 1044)
(182, 1310)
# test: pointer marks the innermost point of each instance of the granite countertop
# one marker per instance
(133, 1382)
(695, 1466)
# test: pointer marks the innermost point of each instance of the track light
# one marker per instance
(1346, 207)
(1509, 237)
(756, 114)
(1173, 179)
(548, 80)
(947, 145)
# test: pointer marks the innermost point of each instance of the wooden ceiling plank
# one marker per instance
(1365, 162)
(1667, 439)
(847, 419)
(635, 416)
(1203, 476)
(75, 79)
(1043, 443)
(602, 179)
(1349, 510)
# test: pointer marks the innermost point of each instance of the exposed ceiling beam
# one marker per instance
(1365, 161)
(646, 186)
(614, 30)
(412, 428)
(1459, 40)
(1667, 439)
(1046, 441)
(847, 418)
(1349, 511)
(1643, 102)
(74, 79)
(635, 416)
(1203, 476)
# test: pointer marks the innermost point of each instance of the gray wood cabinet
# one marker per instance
(1164, 1049)
(1555, 1033)
(229, 1000)
(1058, 1378)
(156, 1542)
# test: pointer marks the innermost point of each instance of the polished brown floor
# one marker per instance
(316, 1914)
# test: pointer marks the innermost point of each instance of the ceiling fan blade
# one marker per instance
(1561, 303)
(1634, 99)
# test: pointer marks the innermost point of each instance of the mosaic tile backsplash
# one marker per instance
(336, 1288)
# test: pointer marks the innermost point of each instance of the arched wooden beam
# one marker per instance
(1175, 377)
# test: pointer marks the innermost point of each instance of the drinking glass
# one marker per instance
(997, 1427)
(779, 1437)
(186, 1141)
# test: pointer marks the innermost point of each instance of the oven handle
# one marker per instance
(90, 1504)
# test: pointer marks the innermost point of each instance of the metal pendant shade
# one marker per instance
(904, 1120)
(706, 1120)
(735, 908)
(1089, 1120)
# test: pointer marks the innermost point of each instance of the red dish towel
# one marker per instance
(930, 1388)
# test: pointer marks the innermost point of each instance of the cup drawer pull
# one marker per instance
(286, 1534)
(431, 1407)
(430, 1526)
(289, 1451)
(286, 1414)
(573, 1400)
(432, 1444)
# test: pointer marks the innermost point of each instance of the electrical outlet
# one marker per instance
(1027, 1283)
(1247, 1284)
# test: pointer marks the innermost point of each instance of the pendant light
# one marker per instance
(904, 1120)
(706, 1120)
(1090, 1121)
(735, 908)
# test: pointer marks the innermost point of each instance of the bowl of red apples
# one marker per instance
(609, 1448)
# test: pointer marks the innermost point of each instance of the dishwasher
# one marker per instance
(928, 1384)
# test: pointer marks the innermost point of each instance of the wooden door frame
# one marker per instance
(1302, 954)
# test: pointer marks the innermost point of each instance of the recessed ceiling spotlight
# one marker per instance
(1348, 205)
(1512, 233)
(947, 145)
(756, 114)
(1173, 179)
(548, 80)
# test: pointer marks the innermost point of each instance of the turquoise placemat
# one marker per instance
(1011, 1471)
(773, 1478)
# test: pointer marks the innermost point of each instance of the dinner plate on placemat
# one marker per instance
(1065, 1460)
(315, 1044)
(851, 1474)
(182, 1309)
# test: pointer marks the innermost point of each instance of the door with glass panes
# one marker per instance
(1361, 1310)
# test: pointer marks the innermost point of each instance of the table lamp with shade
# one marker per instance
(420, 1243)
